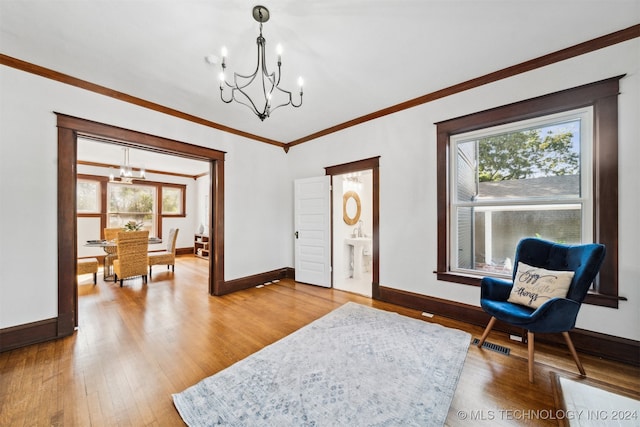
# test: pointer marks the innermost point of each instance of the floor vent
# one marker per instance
(493, 347)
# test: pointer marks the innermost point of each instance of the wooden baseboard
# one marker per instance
(27, 334)
(602, 345)
(255, 280)
(597, 344)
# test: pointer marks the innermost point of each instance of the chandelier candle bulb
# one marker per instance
(223, 52)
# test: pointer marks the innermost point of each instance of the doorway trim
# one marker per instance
(357, 166)
(69, 128)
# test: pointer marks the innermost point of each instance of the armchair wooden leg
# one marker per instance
(486, 331)
(572, 349)
(150, 272)
(531, 351)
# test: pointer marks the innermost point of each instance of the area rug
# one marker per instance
(356, 366)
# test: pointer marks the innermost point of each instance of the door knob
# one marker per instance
(296, 234)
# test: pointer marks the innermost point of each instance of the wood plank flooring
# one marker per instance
(138, 344)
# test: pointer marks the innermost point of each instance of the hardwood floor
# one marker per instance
(138, 344)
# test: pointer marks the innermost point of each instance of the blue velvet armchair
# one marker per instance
(556, 314)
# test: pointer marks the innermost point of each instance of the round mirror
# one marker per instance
(351, 207)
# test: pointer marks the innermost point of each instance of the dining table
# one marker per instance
(110, 247)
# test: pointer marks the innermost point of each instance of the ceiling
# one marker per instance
(356, 56)
(104, 153)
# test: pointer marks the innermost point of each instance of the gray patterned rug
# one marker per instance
(356, 366)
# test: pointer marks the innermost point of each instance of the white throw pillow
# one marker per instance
(533, 286)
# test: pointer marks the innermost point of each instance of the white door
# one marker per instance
(312, 199)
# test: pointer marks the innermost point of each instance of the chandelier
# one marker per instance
(270, 96)
(126, 171)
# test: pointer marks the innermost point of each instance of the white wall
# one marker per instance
(259, 183)
(254, 178)
(406, 144)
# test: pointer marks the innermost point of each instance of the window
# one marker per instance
(556, 186)
(117, 204)
(527, 178)
(173, 200)
(132, 203)
(88, 196)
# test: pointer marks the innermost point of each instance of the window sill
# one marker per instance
(465, 279)
(602, 300)
(592, 298)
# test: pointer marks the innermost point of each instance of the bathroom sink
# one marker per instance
(357, 240)
(358, 244)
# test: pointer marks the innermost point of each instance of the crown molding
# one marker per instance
(523, 67)
(541, 61)
(102, 90)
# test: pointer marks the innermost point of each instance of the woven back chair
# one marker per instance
(111, 233)
(132, 255)
(167, 257)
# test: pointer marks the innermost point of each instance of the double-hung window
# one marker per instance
(143, 202)
(132, 203)
(545, 167)
(526, 178)
(88, 196)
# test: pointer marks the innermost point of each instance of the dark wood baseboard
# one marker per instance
(27, 334)
(602, 345)
(597, 344)
(255, 280)
(49, 329)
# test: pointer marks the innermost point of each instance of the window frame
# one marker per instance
(183, 208)
(155, 215)
(603, 97)
(98, 197)
(583, 200)
(104, 182)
